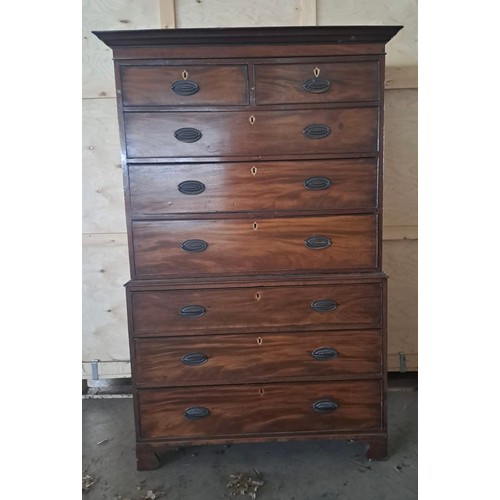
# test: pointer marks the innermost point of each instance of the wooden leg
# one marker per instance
(147, 457)
(377, 449)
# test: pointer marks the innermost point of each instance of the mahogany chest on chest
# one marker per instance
(252, 162)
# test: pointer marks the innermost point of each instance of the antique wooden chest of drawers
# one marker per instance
(252, 161)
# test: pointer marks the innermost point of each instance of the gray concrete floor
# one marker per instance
(314, 470)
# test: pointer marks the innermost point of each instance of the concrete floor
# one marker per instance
(292, 471)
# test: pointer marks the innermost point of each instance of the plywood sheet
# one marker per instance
(105, 271)
(99, 15)
(231, 13)
(400, 263)
(401, 158)
(103, 200)
(402, 56)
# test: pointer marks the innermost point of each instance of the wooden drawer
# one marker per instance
(260, 246)
(254, 309)
(256, 357)
(260, 409)
(166, 86)
(264, 186)
(298, 83)
(204, 134)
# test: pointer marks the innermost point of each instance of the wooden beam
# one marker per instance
(167, 13)
(308, 9)
(400, 233)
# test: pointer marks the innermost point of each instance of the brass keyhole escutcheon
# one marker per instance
(185, 75)
(259, 340)
(316, 71)
(255, 226)
(257, 296)
(253, 170)
(261, 392)
(252, 120)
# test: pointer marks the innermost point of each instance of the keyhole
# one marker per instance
(253, 170)
(252, 120)
(259, 341)
(255, 226)
(316, 72)
(257, 296)
(185, 75)
(261, 392)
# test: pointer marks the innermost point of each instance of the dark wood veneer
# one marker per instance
(252, 161)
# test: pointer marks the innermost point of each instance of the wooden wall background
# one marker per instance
(105, 264)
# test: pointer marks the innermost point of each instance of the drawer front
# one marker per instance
(316, 83)
(264, 186)
(260, 409)
(246, 246)
(196, 312)
(256, 357)
(203, 134)
(184, 85)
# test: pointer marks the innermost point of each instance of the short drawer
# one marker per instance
(184, 85)
(264, 186)
(254, 309)
(239, 246)
(247, 133)
(256, 357)
(316, 83)
(260, 409)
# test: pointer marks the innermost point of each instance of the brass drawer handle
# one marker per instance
(316, 131)
(324, 354)
(317, 183)
(317, 242)
(185, 87)
(188, 134)
(324, 305)
(191, 187)
(196, 412)
(316, 85)
(194, 246)
(324, 405)
(194, 358)
(192, 311)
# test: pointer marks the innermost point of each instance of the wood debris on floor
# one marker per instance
(87, 482)
(243, 484)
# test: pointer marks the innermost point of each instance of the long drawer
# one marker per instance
(316, 82)
(258, 186)
(260, 409)
(259, 357)
(252, 246)
(280, 308)
(250, 133)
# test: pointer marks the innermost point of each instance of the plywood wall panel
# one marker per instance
(103, 200)
(98, 77)
(105, 271)
(232, 13)
(401, 51)
(401, 158)
(400, 262)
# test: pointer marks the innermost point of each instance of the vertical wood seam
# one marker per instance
(167, 13)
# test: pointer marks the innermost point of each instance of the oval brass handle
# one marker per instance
(196, 412)
(317, 183)
(192, 311)
(324, 405)
(317, 242)
(194, 246)
(316, 131)
(317, 85)
(191, 187)
(185, 87)
(194, 358)
(324, 353)
(324, 305)
(187, 134)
